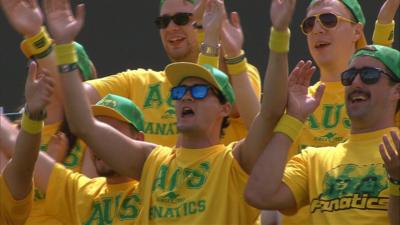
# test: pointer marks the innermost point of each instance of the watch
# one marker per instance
(209, 50)
(37, 116)
(394, 181)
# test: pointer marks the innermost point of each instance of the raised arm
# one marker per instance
(391, 158)
(384, 26)
(18, 172)
(269, 192)
(124, 155)
(275, 87)
(247, 102)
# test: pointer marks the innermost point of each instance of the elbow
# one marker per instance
(81, 129)
(255, 198)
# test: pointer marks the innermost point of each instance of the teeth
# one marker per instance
(356, 98)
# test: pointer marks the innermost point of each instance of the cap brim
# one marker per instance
(99, 110)
(362, 42)
(177, 72)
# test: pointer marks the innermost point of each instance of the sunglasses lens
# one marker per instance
(347, 77)
(370, 75)
(308, 24)
(329, 20)
(181, 19)
(199, 91)
(162, 21)
(178, 92)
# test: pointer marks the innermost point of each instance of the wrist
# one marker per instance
(394, 187)
(31, 126)
(38, 45)
(279, 41)
(236, 65)
(66, 57)
(209, 50)
(36, 115)
(289, 126)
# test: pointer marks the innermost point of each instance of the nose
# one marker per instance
(357, 81)
(317, 28)
(187, 96)
(172, 25)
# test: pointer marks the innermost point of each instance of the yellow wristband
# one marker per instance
(290, 126)
(31, 126)
(394, 189)
(66, 54)
(238, 68)
(279, 41)
(37, 45)
(383, 33)
(211, 60)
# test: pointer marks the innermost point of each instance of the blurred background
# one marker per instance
(120, 35)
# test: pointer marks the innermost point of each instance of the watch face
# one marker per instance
(209, 50)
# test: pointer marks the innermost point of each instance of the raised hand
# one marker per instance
(300, 103)
(212, 20)
(39, 87)
(232, 35)
(391, 155)
(63, 25)
(281, 13)
(198, 11)
(24, 16)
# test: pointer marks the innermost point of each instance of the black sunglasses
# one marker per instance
(368, 75)
(327, 20)
(198, 91)
(179, 19)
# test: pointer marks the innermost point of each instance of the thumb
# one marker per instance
(319, 93)
(80, 15)
(235, 20)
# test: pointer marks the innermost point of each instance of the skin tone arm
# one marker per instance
(275, 93)
(8, 136)
(391, 157)
(19, 170)
(127, 156)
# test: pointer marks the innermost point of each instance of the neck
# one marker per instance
(360, 126)
(117, 179)
(198, 141)
(331, 73)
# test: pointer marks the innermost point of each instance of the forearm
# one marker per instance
(43, 168)
(18, 173)
(8, 136)
(246, 100)
(394, 209)
(261, 188)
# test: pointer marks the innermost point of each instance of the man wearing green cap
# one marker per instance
(73, 198)
(330, 179)
(334, 30)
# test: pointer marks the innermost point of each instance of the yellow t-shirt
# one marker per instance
(150, 91)
(13, 211)
(194, 186)
(73, 198)
(346, 184)
(328, 125)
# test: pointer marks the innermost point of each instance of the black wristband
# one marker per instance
(66, 68)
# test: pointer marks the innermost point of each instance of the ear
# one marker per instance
(397, 92)
(139, 136)
(226, 109)
(358, 30)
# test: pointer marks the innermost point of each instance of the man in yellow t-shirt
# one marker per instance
(331, 48)
(73, 198)
(16, 193)
(346, 184)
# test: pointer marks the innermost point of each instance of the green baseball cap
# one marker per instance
(390, 57)
(119, 108)
(357, 12)
(83, 62)
(177, 72)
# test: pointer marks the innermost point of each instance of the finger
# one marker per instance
(396, 142)
(80, 15)
(389, 148)
(235, 20)
(303, 72)
(292, 80)
(308, 75)
(319, 93)
(384, 156)
(32, 71)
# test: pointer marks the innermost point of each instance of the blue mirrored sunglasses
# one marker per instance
(198, 91)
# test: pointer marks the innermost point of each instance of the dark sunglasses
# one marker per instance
(180, 19)
(368, 75)
(198, 91)
(327, 20)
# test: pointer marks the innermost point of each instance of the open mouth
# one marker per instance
(187, 112)
(320, 45)
(358, 97)
(176, 40)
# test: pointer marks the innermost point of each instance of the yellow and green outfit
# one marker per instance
(346, 184)
(194, 186)
(73, 198)
(13, 211)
